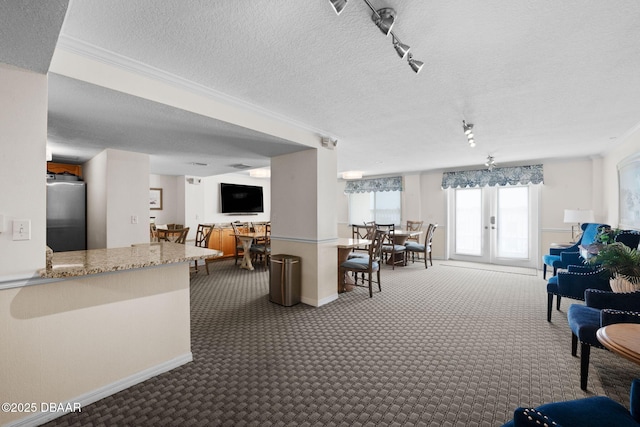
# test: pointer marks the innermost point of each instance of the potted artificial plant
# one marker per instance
(623, 265)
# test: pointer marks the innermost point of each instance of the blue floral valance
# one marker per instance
(499, 176)
(393, 183)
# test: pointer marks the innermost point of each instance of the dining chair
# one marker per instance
(425, 249)
(394, 254)
(261, 249)
(203, 234)
(601, 308)
(414, 226)
(239, 252)
(361, 232)
(176, 235)
(367, 265)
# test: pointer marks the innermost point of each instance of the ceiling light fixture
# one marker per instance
(352, 175)
(490, 163)
(338, 5)
(384, 19)
(260, 173)
(467, 128)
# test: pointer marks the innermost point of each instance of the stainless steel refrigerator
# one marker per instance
(66, 213)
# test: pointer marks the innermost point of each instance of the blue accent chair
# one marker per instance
(573, 282)
(601, 309)
(562, 258)
(596, 411)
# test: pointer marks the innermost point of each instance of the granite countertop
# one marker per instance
(95, 261)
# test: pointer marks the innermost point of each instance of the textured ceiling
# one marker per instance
(29, 31)
(539, 80)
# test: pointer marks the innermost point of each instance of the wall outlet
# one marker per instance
(22, 229)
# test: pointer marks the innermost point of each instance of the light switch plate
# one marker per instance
(21, 229)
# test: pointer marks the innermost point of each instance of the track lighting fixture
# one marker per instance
(490, 163)
(338, 5)
(468, 131)
(384, 19)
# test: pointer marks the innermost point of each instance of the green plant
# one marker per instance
(606, 235)
(618, 259)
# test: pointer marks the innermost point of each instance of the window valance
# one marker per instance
(393, 183)
(531, 174)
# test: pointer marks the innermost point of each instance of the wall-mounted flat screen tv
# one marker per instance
(239, 199)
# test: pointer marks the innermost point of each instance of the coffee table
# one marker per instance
(623, 339)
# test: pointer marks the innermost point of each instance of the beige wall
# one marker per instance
(628, 146)
(23, 136)
(117, 190)
(63, 341)
(580, 183)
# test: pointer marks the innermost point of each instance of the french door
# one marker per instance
(497, 225)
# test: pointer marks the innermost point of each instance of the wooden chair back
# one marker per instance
(177, 235)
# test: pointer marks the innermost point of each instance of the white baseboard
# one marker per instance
(102, 392)
(318, 303)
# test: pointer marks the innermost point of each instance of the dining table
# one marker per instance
(345, 247)
(622, 339)
(399, 237)
(247, 239)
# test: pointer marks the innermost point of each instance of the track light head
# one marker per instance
(401, 48)
(414, 63)
(467, 127)
(338, 5)
(384, 19)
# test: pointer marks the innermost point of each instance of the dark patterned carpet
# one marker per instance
(447, 346)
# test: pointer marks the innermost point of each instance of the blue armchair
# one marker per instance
(601, 309)
(562, 258)
(594, 411)
(573, 282)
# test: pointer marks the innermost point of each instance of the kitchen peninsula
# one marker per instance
(97, 321)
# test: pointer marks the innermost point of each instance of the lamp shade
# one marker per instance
(401, 48)
(338, 5)
(384, 19)
(573, 216)
(415, 64)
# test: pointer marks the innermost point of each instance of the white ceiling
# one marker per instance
(539, 80)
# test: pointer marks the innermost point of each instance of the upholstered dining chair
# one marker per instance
(368, 265)
(425, 249)
(601, 308)
(562, 258)
(397, 254)
(238, 248)
(572, 284)
(414, 226)
(261, 249)
(594, 411)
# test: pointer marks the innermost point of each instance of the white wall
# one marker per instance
(629, 146)
(117, 191)
(23, 136)
(172, 205)
(210, 190)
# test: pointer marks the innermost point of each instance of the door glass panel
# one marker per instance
(468, 220)
(513, 222)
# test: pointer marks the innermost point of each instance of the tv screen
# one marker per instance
(236, 198)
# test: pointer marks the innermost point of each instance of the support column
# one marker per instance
(304, 220)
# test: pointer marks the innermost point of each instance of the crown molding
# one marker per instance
(91, 51)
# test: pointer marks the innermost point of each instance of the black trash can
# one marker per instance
(284, 280)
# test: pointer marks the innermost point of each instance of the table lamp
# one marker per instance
(577, 216)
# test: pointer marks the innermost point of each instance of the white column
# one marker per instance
(304, 220)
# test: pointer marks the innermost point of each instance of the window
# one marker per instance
(383, 207)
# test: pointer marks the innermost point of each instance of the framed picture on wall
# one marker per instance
(155, 199)
(629, 192)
